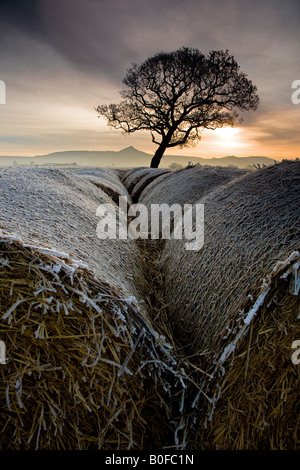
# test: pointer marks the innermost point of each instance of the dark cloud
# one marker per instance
(21, 15)
(106, 36)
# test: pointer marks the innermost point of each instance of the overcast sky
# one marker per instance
(61, 58)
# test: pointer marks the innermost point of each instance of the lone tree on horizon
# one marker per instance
(175, 95)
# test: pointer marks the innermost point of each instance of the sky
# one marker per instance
(59, 59)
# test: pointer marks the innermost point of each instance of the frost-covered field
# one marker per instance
(107, 338)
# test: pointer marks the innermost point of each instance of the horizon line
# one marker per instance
(142, 152)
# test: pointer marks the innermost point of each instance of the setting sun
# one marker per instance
(227, 133)
(228, 137)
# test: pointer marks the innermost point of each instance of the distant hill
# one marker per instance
(126, 158)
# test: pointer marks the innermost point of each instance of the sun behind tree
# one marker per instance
(175, 95)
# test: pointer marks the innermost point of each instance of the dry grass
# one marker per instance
(188, 184)
(150, 345)
(134, 177)
(107, 180)
(250, 225)
(127, 175)
(142, 183)
(84, 369)
(258, 406)
(251, 240)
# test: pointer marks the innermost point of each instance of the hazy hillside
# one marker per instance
(126, 158)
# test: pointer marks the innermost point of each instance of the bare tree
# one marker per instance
(176, 95)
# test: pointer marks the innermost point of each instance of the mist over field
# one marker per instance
(127, 158)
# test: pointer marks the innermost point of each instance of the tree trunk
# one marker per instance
(158, 155)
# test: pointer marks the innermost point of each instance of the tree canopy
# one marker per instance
(175, 95)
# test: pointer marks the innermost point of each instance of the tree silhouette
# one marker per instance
(176, 95)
